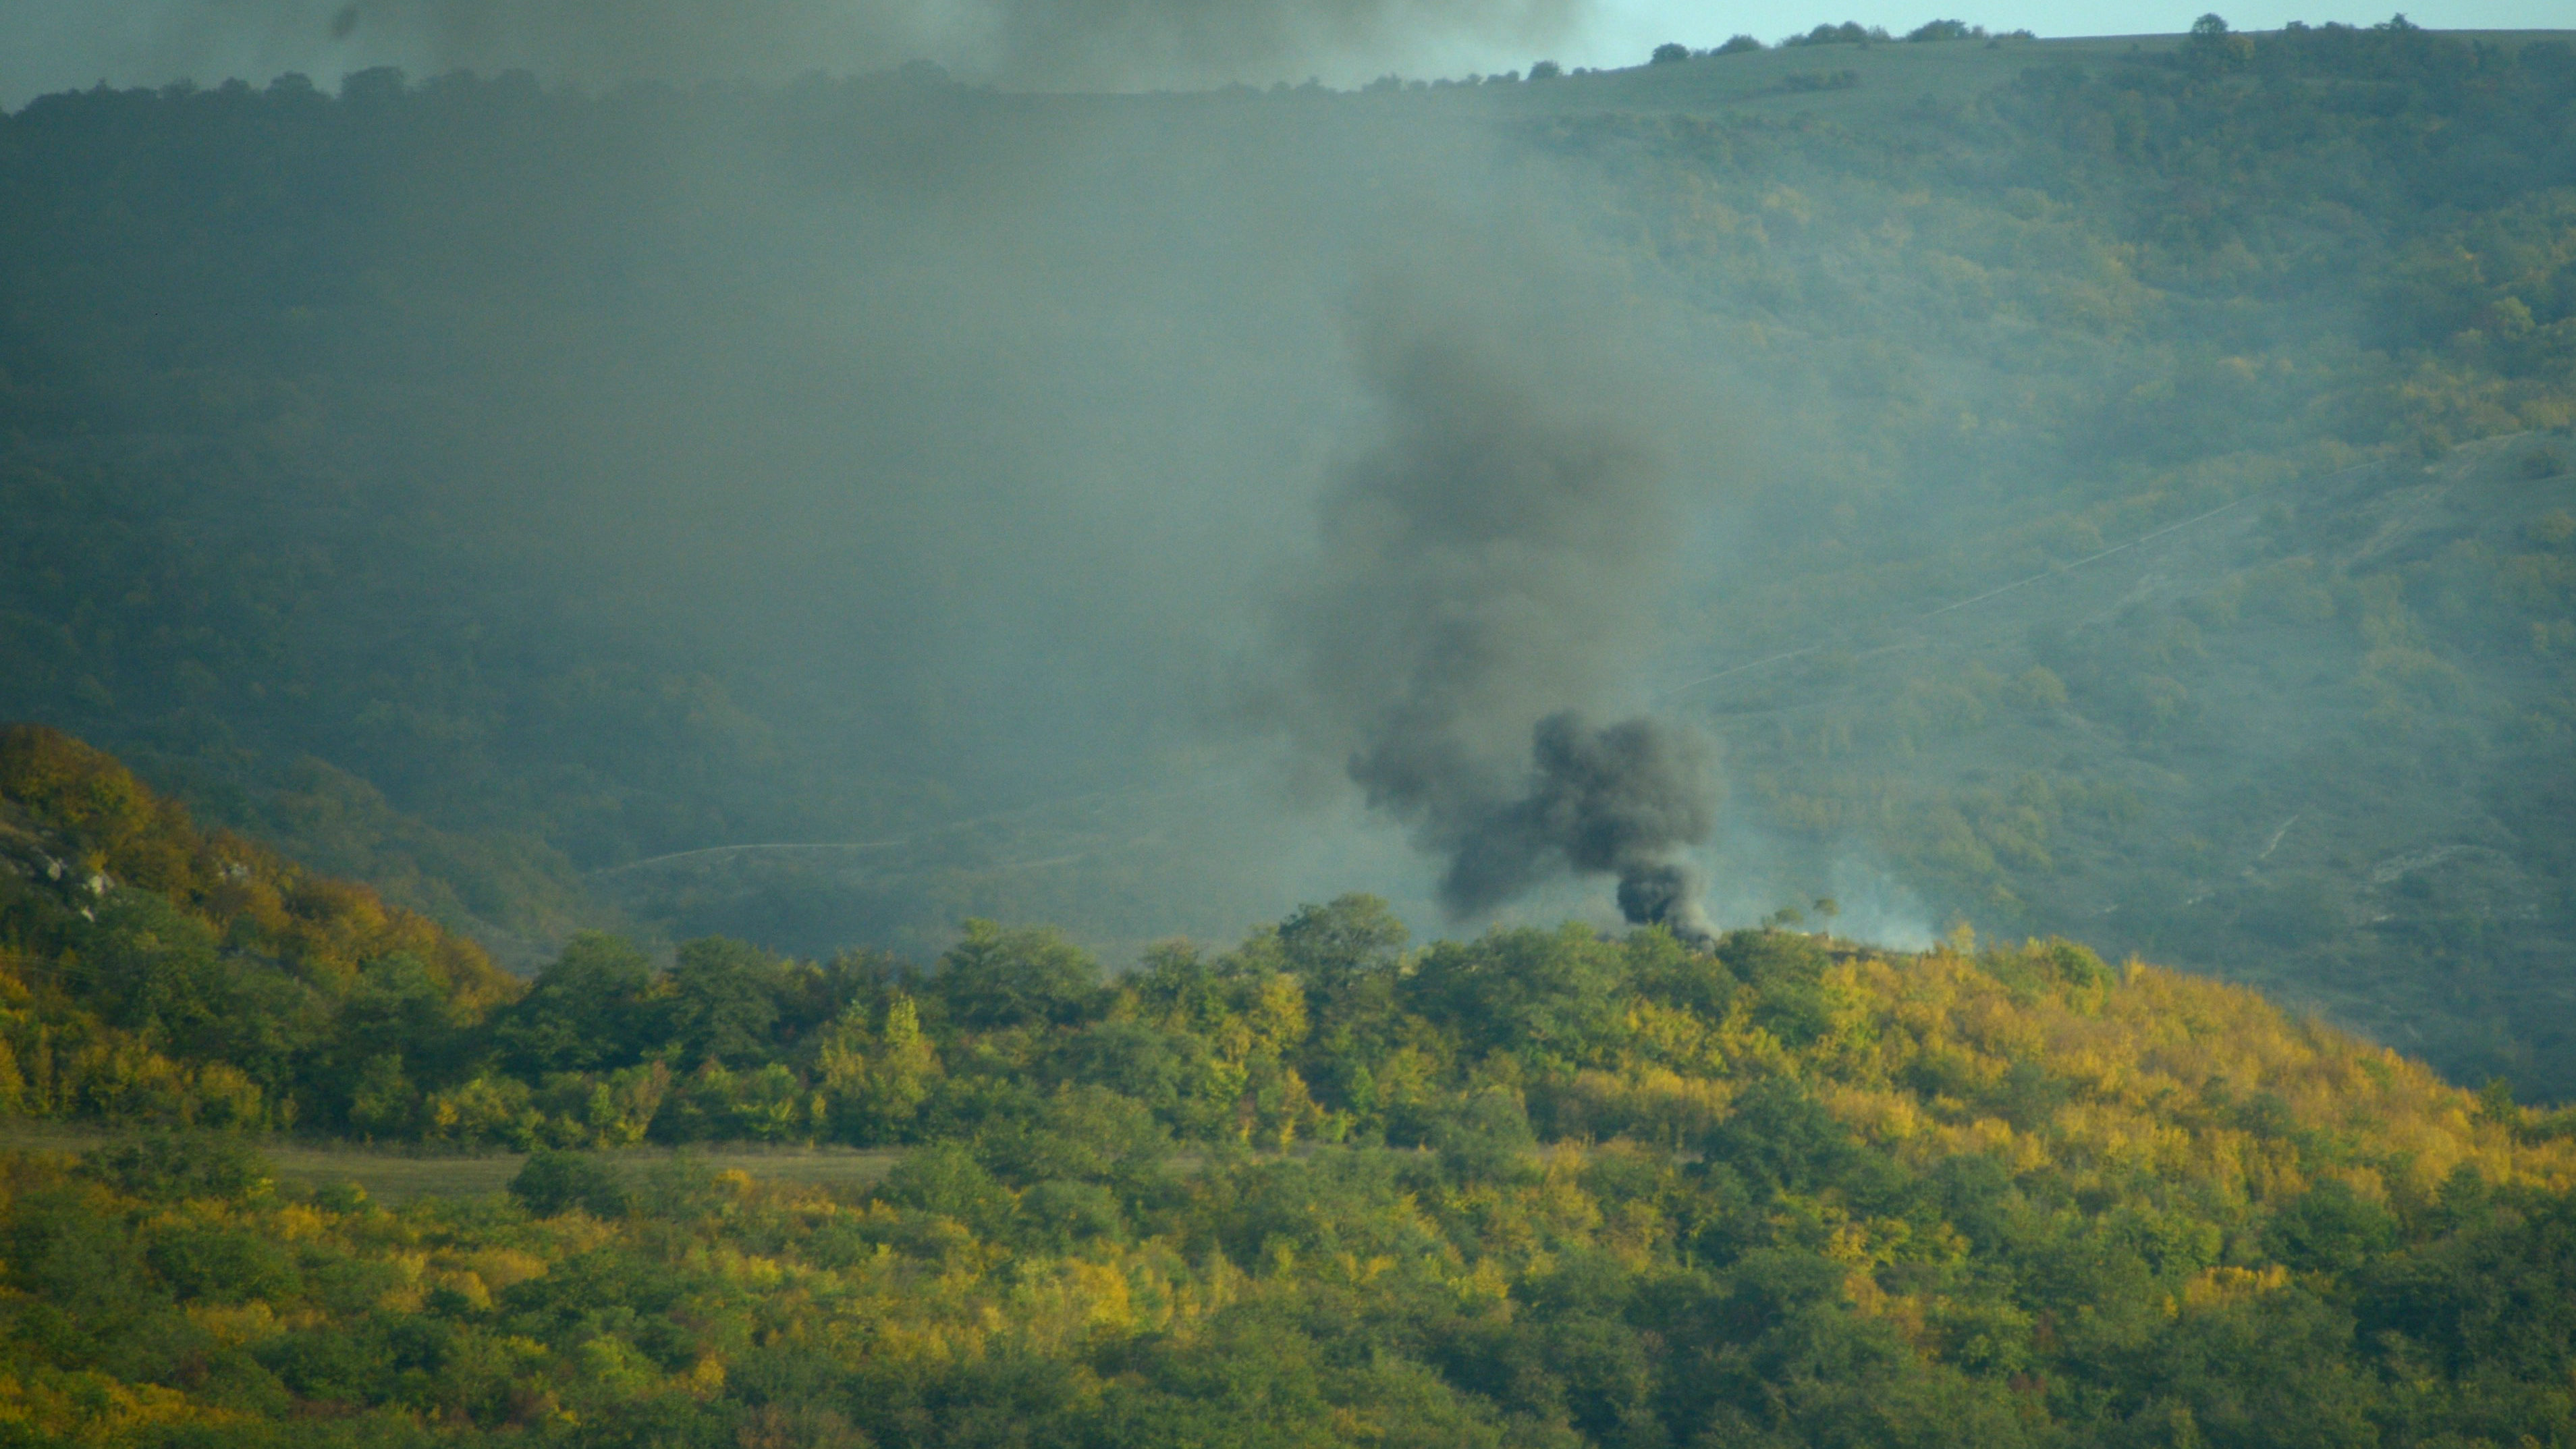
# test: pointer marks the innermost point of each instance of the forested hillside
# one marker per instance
(491, 492)
(2180, 552)
(1543, 1188)
(157, 973)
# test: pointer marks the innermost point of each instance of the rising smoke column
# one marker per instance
(1491, 561)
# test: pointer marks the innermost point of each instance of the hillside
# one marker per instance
(2232, 636)
(1543, 1187)
(519, 499)
(158, 973)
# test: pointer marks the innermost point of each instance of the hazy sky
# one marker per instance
(57, 44)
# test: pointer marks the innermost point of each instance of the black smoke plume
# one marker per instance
(1491, 563)
(1614, 801)
(1665, 894)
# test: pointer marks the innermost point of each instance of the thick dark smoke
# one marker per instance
(1668, 895)
(1615, 801)
(1491, 564)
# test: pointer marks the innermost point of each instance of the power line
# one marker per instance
(2106, 553)
(1143, 790)
(900, 840)
(2047, 573)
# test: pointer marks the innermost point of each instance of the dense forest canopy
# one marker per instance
(1539, 1188)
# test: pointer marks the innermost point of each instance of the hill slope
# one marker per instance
(1542, 1188)
(157, 973)
(506, 495)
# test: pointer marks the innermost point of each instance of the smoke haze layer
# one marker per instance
(861, 461)
(875, 485)
(1038, 44)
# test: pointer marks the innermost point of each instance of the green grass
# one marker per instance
(393, 1176)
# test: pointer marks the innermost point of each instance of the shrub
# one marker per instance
(555, 1182)
(947, 1181)
(173, 1166)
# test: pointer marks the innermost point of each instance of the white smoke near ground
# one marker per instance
(1878, 908)
(1839, 886)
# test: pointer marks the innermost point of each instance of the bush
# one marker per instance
(554, 1183)
(947, 1181)
(221, 1265)
(1668, 53)
(173, 1166)
(1738, 45)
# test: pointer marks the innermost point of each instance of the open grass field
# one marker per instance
(392, 1176)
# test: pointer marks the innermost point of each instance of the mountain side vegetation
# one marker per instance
(1539, 1188)
(2178, 556)
(156, 972)
(337, 436)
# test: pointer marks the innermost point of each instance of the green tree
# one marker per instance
(724, 1002)
(997, 977)
(874, 1083)
(589, 1010)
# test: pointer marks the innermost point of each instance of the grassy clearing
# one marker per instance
(394, 1176)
